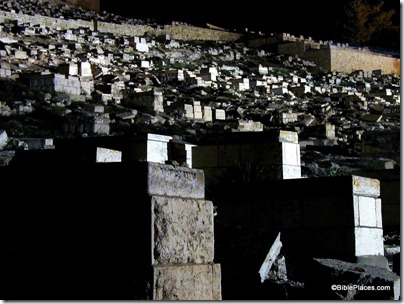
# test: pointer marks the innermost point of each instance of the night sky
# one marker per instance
(310, 18)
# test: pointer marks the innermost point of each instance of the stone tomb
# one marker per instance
(133, 231)
(333, 217)
(148, 147)
(276, 154)
(160, 148)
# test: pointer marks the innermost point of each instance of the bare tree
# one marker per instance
(364, 21)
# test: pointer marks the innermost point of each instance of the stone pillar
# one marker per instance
(131, 230)
(367, 216)
(182, 235)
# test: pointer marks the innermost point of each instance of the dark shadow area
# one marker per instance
(76, 232)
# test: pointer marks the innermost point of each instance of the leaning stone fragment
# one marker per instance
(270, 258)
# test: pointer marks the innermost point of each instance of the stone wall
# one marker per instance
(263, 41)
(185, 32)
(292, 48)
(331, 58)
(348, 60)
(321, 57)
(335, 58)
(124, 29)
(179, 32)
(46, 21)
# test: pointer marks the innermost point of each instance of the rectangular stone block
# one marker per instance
(189, 115)
(288, 136)
(368, 241)
(187, 282)
(367, 211)
(365, 186)
(73, 69)
(220, 114)
(290, 154)
(290, 172)
(188, 108)
(108, 155)
(207, 118)
(198, 115)
(85, 69)
(167, 180)
(182, 231)
(188, 149)
(157, 151)
(21, 55)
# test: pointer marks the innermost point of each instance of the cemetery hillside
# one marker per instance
(171, 161)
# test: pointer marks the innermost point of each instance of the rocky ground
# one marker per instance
(114, 85)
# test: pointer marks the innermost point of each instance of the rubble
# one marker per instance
(351, 281)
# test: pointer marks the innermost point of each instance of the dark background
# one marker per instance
(320, 20)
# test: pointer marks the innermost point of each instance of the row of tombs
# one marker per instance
(154, 217)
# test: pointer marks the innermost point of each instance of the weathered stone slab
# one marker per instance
(367, 211)
(365, 186)
(3, 139)
(157, 150)
(368, 241)
(182, 231)
(167, 180)
(187, 282)
(108, 155)
(290, 154)
(270, 258)
(288, 136)
(289, 172)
